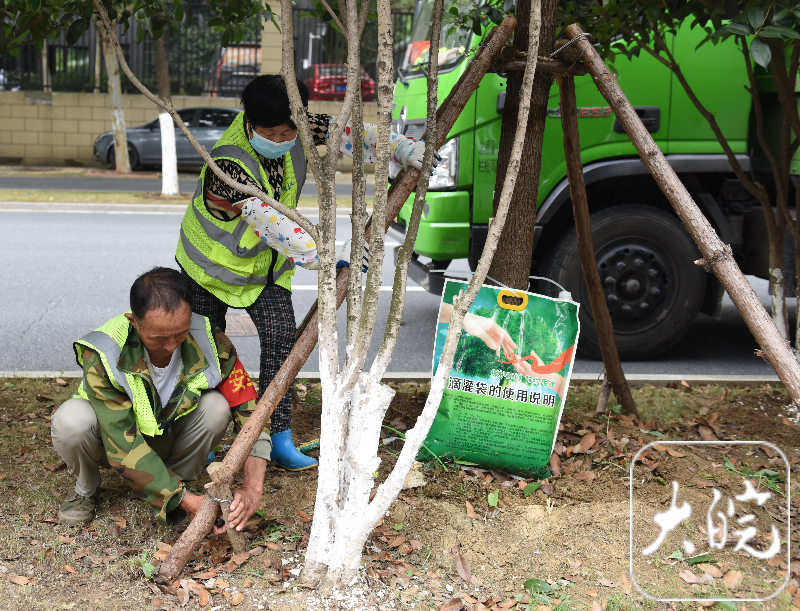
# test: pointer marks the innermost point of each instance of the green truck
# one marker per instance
(644, 254)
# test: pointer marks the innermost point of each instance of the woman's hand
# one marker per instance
(492, 334)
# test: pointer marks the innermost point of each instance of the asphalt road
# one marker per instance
(136, 185)
(65, 274)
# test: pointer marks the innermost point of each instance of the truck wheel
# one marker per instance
(653, 287)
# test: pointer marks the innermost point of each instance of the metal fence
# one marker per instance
(316, 42)
(198, 63)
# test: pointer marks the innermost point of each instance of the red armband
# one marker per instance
(238, 387)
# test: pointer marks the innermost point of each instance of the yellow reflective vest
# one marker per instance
(226, 257)
(108, 341)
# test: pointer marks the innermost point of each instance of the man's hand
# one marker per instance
(245, 502)
(191, 503)
(246, 499)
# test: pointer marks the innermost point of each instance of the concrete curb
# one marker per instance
(635, 379)
(179, 207)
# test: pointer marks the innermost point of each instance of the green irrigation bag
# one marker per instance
(508, 382)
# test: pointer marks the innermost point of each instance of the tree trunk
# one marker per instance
(123, 164)
(401, 188)
(98, 59)
(169, 158)
(512, 261)
(583, 226)
(46, 66)
(717, 257)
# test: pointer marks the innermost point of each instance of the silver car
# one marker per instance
(207, 124)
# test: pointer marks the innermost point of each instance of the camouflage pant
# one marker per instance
(273, 315)
(76, 438)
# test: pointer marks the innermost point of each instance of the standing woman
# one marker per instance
(241, 253)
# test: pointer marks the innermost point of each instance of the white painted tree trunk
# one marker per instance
(169, 157)
(354, 401)
(778, 294)
(123, 164)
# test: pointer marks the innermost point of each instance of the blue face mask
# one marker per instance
(270, 149)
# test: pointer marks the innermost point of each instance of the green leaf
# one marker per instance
(778, 31)
(701, 558)
(493, 498)
(780, 15)
(148, 569)
(537, 586)
(76, 30)
(676, 555)
(733, 29)
(653, 433)
(260, 512)
(531, 488)
(398, 527)
(453, 11)
(139, 32)
(761, 52)
(178, 11)
(616, 409)
(755, 16)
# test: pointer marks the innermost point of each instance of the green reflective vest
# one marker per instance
(107, 341)
(226, 257)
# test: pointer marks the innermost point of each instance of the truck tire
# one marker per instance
(653, 288)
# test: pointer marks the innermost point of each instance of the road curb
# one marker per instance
(97, 208)
(634, 379)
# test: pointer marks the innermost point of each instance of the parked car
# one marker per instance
(207, 124)
(330, 81)
(237, 66)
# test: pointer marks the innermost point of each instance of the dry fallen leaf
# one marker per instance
(471, 512)
(454, 604)
(608, 583)
(592, 592)
(203, 597)
(397, 541)
(596, 606)
(585, 475)
(462, 566)
(20, 580)
(273, 546)
(304, 517)
(183, 596)
(587, 442)
(685, 384)
(237, 598)
(711, 570)
(63, 539)
(706, 433)
(788, 422)
(547, 488)
(555, 465)
(69, 569)
(120, 523)
(222, 585)
(61, 382)
(733, 579)
(674, 453)
(703, 483)
(688, 576)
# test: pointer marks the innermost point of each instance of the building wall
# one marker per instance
(38, 128)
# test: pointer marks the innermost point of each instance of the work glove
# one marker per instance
(410, 153)
(343, 257)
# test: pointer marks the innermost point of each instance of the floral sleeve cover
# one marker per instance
(281, 233)
(370, 141)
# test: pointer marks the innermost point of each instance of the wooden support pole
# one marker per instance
(221, 489)
(402, 187)
(583, 226)
(545, 66)
(717, 257)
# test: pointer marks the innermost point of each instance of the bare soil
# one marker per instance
(572, 533)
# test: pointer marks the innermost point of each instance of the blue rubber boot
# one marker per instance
(211, 457)
(287, 455)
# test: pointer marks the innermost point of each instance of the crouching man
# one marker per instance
(160, 387)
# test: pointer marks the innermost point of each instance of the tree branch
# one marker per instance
(336, 19)
(167, 107)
